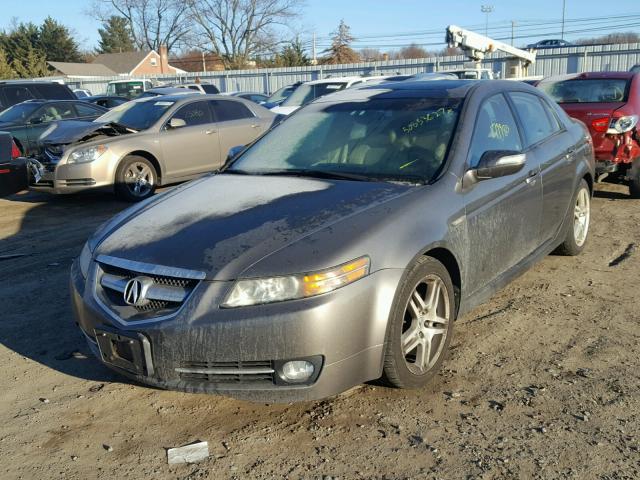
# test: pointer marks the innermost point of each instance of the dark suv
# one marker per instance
(609, 105)
(12, 92)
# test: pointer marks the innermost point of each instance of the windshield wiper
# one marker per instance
(408, 179)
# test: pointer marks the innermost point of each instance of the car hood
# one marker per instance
(226, 223)
(284, 110)
(70, 131)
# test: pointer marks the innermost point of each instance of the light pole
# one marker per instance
(486, 9)
(564, 4)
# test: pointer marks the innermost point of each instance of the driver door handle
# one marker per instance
(209, 132)
(532, 177)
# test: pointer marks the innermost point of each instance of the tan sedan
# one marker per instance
(146, 143)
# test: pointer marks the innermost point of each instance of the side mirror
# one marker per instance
(176, 123)
(36, 121)
(234, 152)
(499, 163)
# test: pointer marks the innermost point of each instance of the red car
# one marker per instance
(609, 104)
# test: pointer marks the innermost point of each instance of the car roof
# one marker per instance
(408, 89)
(589, 75)
(335, 80)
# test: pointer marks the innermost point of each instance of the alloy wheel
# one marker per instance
(426, 319)
(581, 217)
(139, 179)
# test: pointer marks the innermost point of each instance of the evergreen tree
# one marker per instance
(33, 65)
(115, 36)
(56, 43)
(6, 71)
(293, 55)
(340, 50)
(17, 42)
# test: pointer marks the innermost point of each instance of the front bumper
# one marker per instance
(63, 178)
(342, 331)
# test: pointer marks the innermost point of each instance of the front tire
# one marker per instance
(578, 228)
(421, 325)
(136, 179)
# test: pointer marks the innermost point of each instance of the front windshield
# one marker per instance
(306, 93)
(281, 94)
(392, 139)
(18, 113)
(137, 115)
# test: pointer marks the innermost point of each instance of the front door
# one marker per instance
(554, 153)
(503, 214)
(194, 147)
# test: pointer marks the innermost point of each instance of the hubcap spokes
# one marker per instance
(139, 179)
(581, 217)
(426, 319)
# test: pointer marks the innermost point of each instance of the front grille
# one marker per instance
(164, 296)
(227, 372)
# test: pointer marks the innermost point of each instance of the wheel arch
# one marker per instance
(589, 179)
(144, 154)
(450, 262)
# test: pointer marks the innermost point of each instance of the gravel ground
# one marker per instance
(542, 382)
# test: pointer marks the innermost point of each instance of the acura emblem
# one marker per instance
(135, 291)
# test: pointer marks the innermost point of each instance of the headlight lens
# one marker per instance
(85, 260)
(86, 155)
(276, 289)
(623, 124)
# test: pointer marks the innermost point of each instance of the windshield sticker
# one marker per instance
(418, 122)
(499, 131)
(163, 104)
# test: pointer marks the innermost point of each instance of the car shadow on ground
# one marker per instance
(40, 235)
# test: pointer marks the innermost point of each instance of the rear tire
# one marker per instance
(136, 179)
(578, 222)
(634, 179)
(421, 325)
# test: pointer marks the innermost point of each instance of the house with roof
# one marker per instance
(130, 64)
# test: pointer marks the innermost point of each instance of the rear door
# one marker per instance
(194, 148)
(237, 125)
(552, 147)
(503, 214)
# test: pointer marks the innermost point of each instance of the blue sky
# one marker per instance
(370, 20)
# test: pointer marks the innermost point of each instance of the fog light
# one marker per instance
(297, 370)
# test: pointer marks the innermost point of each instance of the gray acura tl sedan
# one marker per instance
(341, 246)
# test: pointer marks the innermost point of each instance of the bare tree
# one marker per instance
(237, 30)
(371, 54)
(152, 22)
(413, 51)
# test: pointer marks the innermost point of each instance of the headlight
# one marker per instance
(623, 124)
(85, 260)
(276, 289)
(85, 155)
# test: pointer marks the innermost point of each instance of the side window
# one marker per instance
(534, 116)
(87, 110)
(53, 112)
(226, 110)
(16, 94)
(196, 113)
(496, 129)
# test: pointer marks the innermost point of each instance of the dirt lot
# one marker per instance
(542, 382)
